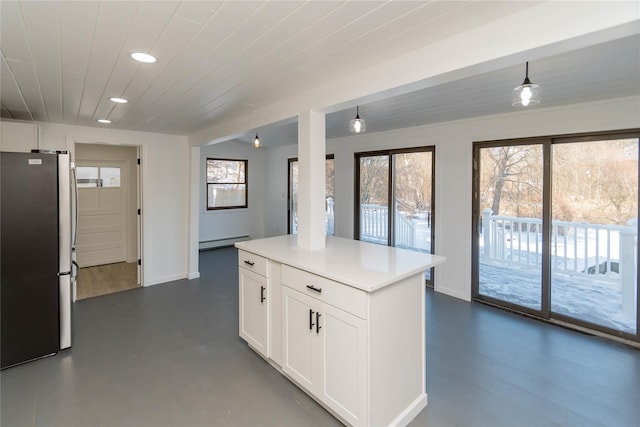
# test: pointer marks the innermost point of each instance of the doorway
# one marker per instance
(108, 245)
(555, 229)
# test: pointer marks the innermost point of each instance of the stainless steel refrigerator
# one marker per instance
(36, 255)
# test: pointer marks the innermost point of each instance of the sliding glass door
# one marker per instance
(555, 229)
(594, 212)
(374, 218)
(395, 198)
(510, 234)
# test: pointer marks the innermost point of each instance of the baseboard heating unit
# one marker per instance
(220, 243)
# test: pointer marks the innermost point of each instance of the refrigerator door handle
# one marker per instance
(74, 269)
(74, 203)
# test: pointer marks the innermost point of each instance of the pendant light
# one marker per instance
(357, 125)
(527, 93)
(256, 142)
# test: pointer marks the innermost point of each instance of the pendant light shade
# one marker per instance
(527, 93)
(256, 142)
(357, 125)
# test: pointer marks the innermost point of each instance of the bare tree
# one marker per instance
(512, 174)
(374, 174)
(594, 181)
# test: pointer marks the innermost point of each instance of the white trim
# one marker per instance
(411, 411)
(165, 279)
(452, 293)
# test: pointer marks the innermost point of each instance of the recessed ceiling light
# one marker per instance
(143, 57)
(119, 100)
(104, 121)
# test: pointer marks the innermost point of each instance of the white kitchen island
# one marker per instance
(345, 323)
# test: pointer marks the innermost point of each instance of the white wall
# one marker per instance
(229, 223)
(15, 136)
(453, 142)
(165, 188)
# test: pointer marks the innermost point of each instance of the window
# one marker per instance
(226, 184)
(329, 196)
(94, 176)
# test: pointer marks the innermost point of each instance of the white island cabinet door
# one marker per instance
(254, 319)
(299, 358)
(343, 364)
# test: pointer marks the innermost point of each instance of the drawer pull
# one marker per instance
(249, 263)
(262, 298)
(318, 290)
(310, 320)
(318, 327)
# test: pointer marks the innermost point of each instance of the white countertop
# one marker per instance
(362, 265)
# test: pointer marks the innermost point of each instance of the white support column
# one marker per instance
(311, 180)
(194, 212)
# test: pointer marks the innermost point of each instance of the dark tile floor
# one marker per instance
(169, 355)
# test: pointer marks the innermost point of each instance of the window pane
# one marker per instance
(110, 177)
(225, 171)
(511, 238)
(330, 179)
(594, 232)
(226, 195)
(87, 176)
(412, 189)
(374, 199)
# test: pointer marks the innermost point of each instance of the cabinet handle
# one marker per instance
(318, 290)
(249, 263)
(262, 298)
(318, 327)
(311, 324)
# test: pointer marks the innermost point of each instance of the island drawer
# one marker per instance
(253, 262)
(339, 295)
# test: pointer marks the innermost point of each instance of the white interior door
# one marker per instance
(102, 206)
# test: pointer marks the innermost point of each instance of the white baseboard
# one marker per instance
(164, 279)
(192, 276)
(411, 411)
(452, 293)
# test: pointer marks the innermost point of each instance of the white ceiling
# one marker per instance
(61, 61)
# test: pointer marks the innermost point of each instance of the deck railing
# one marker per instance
(374, 226)
(330, 217)
(605, 252)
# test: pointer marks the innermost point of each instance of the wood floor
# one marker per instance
(107, 279)
(170, 355)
